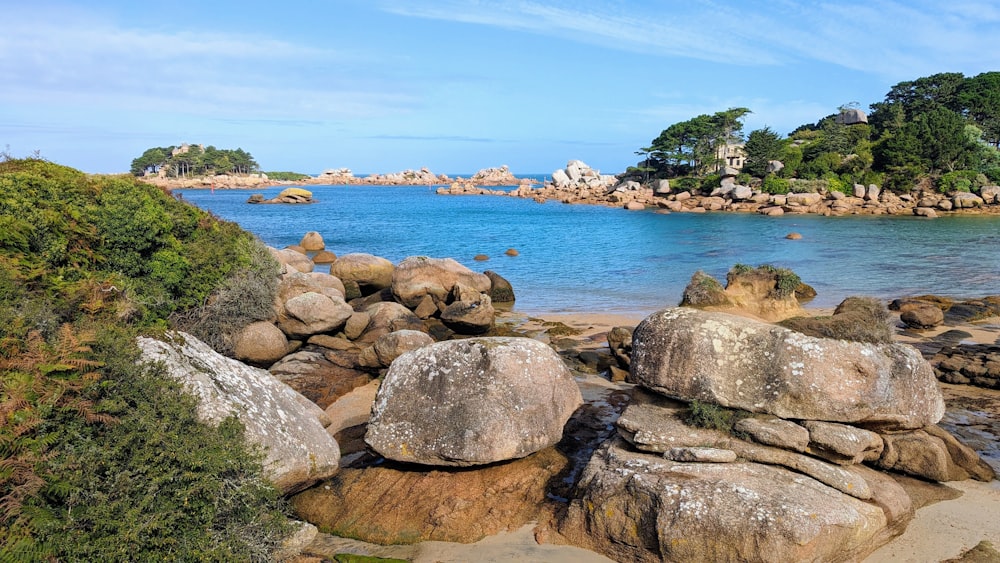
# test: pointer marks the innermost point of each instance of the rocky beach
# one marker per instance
(836, 463)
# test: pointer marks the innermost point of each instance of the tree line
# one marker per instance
(943, 129)
(194, 160)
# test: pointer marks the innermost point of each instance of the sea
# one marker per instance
(586, 258)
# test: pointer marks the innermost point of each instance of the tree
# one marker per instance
(692, 145)
(979, 97)
(762, 146)
(150, 161)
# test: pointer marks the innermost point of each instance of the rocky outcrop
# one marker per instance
(393, 505)
(642, 507)
(419, 276)
(969, 364)
(688, 479)
(741, 363)
(260, 343)
(766, 292)
(472, 402)
(288, 195)
(371, 273)
(501, 176)
(299, 451)
(312, 241)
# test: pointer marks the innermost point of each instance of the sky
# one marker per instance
(452, 85)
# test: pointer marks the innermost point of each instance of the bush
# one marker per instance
(715, 417)
(960, 181)
(774, 185)
(104, 460)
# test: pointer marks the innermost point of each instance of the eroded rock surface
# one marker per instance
(472, 402)
(740, 363)
(299, 450)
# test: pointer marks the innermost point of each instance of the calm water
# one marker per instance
(598, 259)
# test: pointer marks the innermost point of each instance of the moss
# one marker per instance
(709, 415)
(703, 291)
(556, 328)
(856, 319)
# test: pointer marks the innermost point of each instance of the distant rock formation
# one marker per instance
(288, 195)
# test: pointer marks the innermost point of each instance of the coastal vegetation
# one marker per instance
(941, 130)
(101, 458)
(193, 160)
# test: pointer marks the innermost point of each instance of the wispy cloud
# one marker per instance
(454, 138)
(887, 37)
(88, 62)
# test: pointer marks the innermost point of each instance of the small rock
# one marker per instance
(480, 257)
(312, 241)
(793, 236)
(512, 252)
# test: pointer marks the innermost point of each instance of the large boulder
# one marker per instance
(740, 363)
(470, 316)
(500, 289)
(313, 313)
(312, 373)
(636, 506)
(371, 273)
(260, 343)
(472, 402)
(296, 260)
(390, 346)
(418, 276)
(299, 452)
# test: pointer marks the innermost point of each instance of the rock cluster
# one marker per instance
(331, 333)
(578, 183)
(785, 476)
(501, 176)
(288, 195)
(765, 292)
(969, 364)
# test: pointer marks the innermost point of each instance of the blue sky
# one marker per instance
(453, 85)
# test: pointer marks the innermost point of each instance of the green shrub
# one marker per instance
(104, 460)
(686, 184)
(774, 185)
(835, 184)
(992, 174)
(287, 176)
(715, 417)
(702, 291)
(960, 181)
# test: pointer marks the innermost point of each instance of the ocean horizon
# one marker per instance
(584, 258)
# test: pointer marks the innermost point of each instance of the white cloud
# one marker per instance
(890, 38)
(83, 62)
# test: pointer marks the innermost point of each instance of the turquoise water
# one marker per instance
(581, 258)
